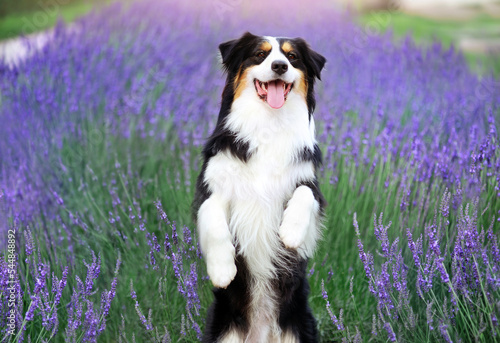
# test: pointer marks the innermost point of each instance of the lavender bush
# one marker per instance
(450, 283)
(99, 153)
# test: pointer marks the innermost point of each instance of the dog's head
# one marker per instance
(273, 68)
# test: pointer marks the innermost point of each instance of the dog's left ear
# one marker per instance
(317, 63)
(233, 51)
(314, 62)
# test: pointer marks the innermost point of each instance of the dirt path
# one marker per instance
(14, 50)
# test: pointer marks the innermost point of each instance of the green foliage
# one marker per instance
(425, 31)
(27, 17)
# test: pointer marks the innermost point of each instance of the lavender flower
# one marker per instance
(29, 242)
(444, 333)
(381, 234)
(59, 286)
(93, 271)
(143, 319)
(337, 322)
(430, 315)
(390, 333)
(415, 248)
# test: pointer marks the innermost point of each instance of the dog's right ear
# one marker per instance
(234, 51)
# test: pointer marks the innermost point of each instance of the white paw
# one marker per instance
(220, 266)
(293, 229)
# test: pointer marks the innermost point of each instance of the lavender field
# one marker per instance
(100, 137)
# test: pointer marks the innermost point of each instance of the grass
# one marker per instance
(41, 18)
(448, 32)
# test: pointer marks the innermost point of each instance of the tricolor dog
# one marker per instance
(258, 204)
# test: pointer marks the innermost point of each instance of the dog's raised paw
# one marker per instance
(221, 267)
(293, 230)
(221, 274)
(292, 237)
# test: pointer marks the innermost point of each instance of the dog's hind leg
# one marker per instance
(227, 318)
(295, 316)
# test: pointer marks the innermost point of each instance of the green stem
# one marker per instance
(484, 295)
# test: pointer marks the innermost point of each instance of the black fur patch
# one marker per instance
(307, 155)
(295, 314)
(240, 53)
(202, 192)
(314, 156)
(222, 139)
(230, 309)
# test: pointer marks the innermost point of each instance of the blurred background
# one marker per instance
(472, 26)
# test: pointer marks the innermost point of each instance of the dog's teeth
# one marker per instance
(264, 86)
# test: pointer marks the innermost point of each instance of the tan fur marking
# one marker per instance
(302, 85)
(287, 47)
(240, 83)
(266, 46)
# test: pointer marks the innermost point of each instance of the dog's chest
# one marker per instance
(270, 175)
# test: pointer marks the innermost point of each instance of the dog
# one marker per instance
(258, 205)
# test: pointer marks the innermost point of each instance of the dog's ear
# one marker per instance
(314, 62)
(317, 63)
(234, 51)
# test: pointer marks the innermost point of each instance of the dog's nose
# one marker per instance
(279, 67)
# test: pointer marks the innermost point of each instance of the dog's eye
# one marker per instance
(291, 56)
(261, 54)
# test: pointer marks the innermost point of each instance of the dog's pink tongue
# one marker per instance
(275, 94)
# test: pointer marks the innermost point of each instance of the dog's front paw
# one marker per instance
(220, 266)
(293, 229)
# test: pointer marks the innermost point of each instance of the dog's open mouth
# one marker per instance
(274, 92)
